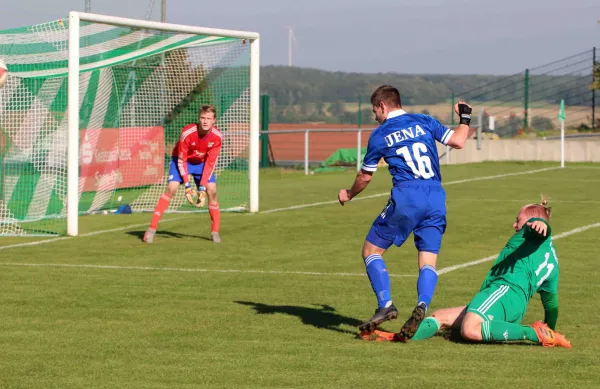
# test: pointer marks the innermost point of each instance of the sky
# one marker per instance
(399, 36)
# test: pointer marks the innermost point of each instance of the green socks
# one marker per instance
(428, 328)
(491, 331)
(500, 331)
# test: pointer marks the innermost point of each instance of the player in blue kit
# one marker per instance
(417, 201)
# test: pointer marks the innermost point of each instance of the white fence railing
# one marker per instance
(308, 147)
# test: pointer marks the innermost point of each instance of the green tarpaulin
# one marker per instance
(340, 160)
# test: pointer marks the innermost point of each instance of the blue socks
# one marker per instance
(380, 280)
(426, 284)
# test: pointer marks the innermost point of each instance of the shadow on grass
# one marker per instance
(166, 234)
(323, 317)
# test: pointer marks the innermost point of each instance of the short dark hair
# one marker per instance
(386, 94)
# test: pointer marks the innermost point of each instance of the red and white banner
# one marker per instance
(112, 158)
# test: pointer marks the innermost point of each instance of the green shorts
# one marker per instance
(498, 302)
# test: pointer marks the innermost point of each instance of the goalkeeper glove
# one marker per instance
(201, 197)
(464, 112)
(190, 193)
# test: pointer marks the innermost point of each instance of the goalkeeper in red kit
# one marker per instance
(195, 155)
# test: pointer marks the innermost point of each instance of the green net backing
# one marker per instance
(138, 88)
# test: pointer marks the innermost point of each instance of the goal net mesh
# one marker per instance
(137, 89)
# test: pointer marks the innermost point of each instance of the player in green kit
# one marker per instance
(527, 264)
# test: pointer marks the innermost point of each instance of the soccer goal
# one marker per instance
(94, 104)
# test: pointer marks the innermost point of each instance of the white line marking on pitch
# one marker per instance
(388, 193)
(492, 257)
(192, 270)
(554, 201)
(38, 242)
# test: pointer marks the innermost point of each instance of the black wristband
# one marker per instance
(464, 113)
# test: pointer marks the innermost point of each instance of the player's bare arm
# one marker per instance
(539, 226)
(463, 131)
(360, 183)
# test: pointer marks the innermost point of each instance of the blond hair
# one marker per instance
(208, 108)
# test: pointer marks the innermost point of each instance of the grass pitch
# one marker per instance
(276, 305)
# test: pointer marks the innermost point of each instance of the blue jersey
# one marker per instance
(406, 142)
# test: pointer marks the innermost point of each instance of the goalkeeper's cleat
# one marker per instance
(548, 337)
(412, 324)
(381, 315)
(149, 235)
(215, 237)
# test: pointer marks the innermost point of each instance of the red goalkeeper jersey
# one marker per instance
(196, 149)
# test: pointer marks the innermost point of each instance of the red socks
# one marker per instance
(163, 204)
(161, 207)
(215, 216)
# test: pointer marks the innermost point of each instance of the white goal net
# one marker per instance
(138, 87)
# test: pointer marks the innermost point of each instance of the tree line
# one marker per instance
(305, 94)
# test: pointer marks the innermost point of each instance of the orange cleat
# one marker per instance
(383, 336)
(548, 337)
(377, 336)
(367, 335)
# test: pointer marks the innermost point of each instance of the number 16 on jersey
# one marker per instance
(423, 167)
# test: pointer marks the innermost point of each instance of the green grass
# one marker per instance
(128, 327)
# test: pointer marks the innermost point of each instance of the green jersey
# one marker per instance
(528, 263)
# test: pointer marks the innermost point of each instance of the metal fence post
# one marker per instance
(264, 138)
(358, 149)
(306, 152)
(359, 135)
(526, 101)
(594, 81)
(359, 116)
(479, 128)
(452, 111)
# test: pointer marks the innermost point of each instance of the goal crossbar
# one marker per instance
(167, 27)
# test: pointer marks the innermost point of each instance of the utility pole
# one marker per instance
(163, 11)
(88, 6)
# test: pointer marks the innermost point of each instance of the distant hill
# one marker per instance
(291, 85)
(312, 95)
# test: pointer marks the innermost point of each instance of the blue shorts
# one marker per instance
(417, 207)
(194, 169)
